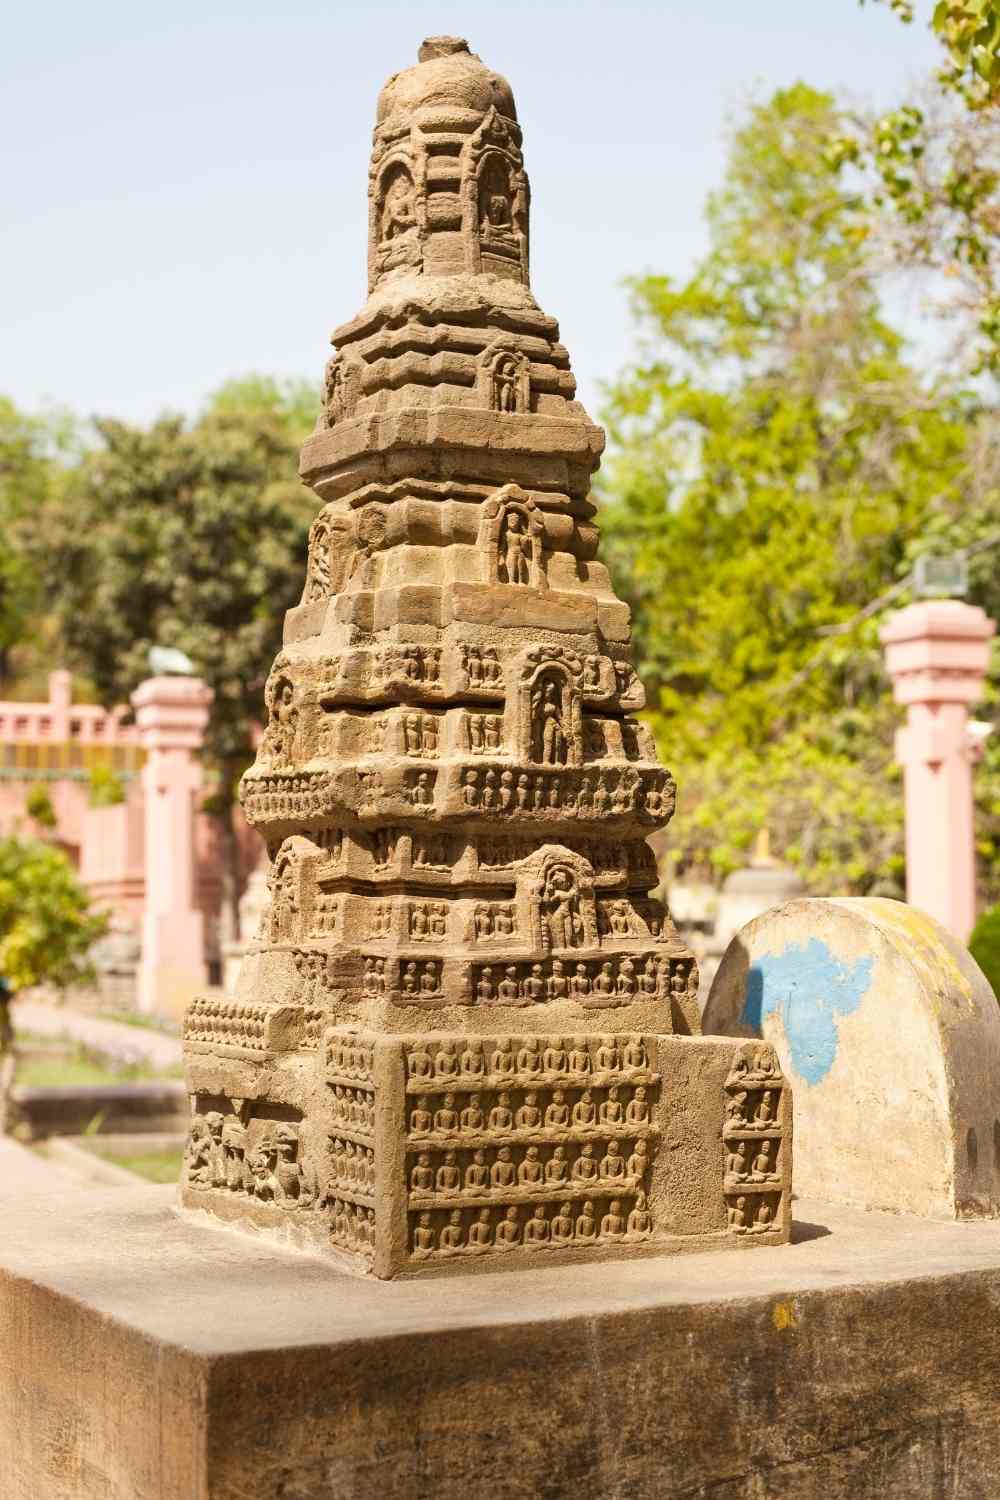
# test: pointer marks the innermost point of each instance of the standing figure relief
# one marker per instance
(548, 734)
(398, 204)
(515, 550)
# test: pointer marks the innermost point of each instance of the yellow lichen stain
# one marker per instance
(940, 968)
(783, 1316)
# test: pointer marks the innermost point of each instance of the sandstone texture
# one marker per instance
(889, 1035)
(144, 1358)
(465, 1031)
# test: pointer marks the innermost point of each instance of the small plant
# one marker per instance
(106, 787)
(47, 926)
(984, 945)
(38, 806)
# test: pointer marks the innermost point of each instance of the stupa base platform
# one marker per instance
(150, 1358)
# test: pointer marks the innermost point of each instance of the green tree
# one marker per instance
(776, 464)
(46, 925)
(969, 32)
(190, 535)
(929, 174)
(291, 403)
(28, 447)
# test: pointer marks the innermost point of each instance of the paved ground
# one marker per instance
(23, 1171)
(132, 1043)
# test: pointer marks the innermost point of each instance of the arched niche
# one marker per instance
(495, 200)
(284, 715)
(397, 211)
(556, 890)
(511, 539)
(332, 551)
(341, 390)
(547, 704)
(291, 889)
(503, 377)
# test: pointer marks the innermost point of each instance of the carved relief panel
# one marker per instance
(341, 544)
(753, 1138)
(242, 1147)
(529, 1142)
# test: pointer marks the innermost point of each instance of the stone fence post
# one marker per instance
(937, 653)
(171, 714)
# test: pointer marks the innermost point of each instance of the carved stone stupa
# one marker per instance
(465, 1033)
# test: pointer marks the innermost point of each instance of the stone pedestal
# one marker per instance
(171, 713)
(147, 1357)
(937, 653)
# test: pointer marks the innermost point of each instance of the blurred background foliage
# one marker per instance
(781, 453)
(813, 409)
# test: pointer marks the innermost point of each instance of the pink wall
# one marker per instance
(55, 744)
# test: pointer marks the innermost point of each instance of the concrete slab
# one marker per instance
(146, 1357)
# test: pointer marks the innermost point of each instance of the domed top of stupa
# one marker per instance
(447, 76)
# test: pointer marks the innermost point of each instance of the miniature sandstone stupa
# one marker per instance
(465, 1034)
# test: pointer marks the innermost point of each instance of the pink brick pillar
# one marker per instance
(937, 653)
(171, 713)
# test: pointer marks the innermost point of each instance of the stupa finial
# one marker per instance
(441, 46)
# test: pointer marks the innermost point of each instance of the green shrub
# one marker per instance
(46, 923)
(38, 806)
(106, 787)
(984, 945)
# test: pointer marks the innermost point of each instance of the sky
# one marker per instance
(184, 183)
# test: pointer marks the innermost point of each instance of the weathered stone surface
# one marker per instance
(464, 1031)
(148, 1359)
(889, 1034)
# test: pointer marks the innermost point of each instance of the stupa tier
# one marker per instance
(466, 1032)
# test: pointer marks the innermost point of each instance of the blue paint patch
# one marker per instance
(810, 989)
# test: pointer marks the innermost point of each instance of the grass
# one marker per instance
(155, 1166)
(63, 1072)
(161, 1024)
(78, 1067)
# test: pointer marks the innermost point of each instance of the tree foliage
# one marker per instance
(190, 535)
(29, 447)
(777, 463)
(46, 925)
(930, 169)
(969, 32)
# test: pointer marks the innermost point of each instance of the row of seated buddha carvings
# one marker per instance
(467, 1030)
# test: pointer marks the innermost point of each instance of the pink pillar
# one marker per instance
(61, 701)
(937, 653)
(171, 714)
